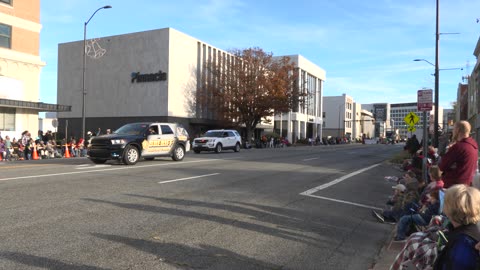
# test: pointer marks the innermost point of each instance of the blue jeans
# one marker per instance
(404, 224)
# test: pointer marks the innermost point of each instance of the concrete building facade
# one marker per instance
(146, 76)
(338, 116)
(399, 111)
(305, 120)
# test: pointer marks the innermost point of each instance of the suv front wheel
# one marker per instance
(237, 148)
(218, 148)
(131, 155)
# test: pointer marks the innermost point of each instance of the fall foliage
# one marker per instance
(246, 87)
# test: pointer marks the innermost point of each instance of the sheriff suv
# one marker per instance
(145, 140)
(217, 140)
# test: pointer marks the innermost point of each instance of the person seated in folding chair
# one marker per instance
(404, 198)
(420, 218)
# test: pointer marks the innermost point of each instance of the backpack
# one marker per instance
(473, 234)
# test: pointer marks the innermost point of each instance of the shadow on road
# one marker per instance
(186, 257)
(295, 235)
(42, 262)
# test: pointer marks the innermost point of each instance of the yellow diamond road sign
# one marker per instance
(411, 128)
(411, 119)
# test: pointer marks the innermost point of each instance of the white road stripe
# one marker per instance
(345, 202)
(86, 166)
(336, 181)
(310, 159)
(110, 169)
(187, 178)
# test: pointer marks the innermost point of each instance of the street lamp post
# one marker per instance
(437, 40)
(84, 92)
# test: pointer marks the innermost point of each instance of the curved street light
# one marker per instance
(424, 61)
(83, 70)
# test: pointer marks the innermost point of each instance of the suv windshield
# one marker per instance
(132, 129)
(214, 134)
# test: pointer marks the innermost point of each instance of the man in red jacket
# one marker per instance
(459, 163)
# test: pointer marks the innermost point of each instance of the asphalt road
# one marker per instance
(289, 208)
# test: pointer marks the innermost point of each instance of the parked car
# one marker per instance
(145, 140)
(217, 140)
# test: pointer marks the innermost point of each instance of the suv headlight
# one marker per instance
(118, 141)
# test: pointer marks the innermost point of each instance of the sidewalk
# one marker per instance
(388, 254)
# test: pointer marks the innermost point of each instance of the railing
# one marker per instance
(40, 106)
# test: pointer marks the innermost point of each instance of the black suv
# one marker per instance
(132, 141)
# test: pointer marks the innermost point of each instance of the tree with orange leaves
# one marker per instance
(246, 87)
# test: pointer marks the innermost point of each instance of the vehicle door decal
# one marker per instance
(157, 145)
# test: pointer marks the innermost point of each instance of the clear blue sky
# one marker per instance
(366, 47)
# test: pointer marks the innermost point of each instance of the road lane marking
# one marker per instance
(187, 178)
(109, 169)
(336, 181)
(308, 159)
(88, 166)
(24, 166)
(344, 202)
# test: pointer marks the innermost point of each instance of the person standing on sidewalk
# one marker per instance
(459, 163)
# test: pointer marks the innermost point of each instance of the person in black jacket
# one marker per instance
(412, 145)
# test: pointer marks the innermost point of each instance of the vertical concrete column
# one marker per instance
(303, 126)
(289, 128)
(295, 131)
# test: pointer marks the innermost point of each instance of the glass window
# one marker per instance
(5, 36)
(7, 119)
(166, 129)
(6, 1)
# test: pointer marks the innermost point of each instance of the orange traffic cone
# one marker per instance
(35, 154)
(1, 154)
(67, 153)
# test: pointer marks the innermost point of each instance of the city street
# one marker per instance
(305, 207)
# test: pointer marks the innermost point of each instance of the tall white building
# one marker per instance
(305, 120)
(338, 116)
(399, 111)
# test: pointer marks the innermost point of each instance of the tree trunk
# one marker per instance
(249, 136)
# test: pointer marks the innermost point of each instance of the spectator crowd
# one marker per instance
(42, 146)
(437, 214)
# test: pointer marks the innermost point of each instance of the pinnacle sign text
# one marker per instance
(153, 77)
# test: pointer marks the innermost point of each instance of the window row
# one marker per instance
(5, 35)
(7, 119)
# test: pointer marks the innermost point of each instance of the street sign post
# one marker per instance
(424, 104)
(424, 100)
(411, 119)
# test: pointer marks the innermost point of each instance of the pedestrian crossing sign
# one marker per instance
(411, 119)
